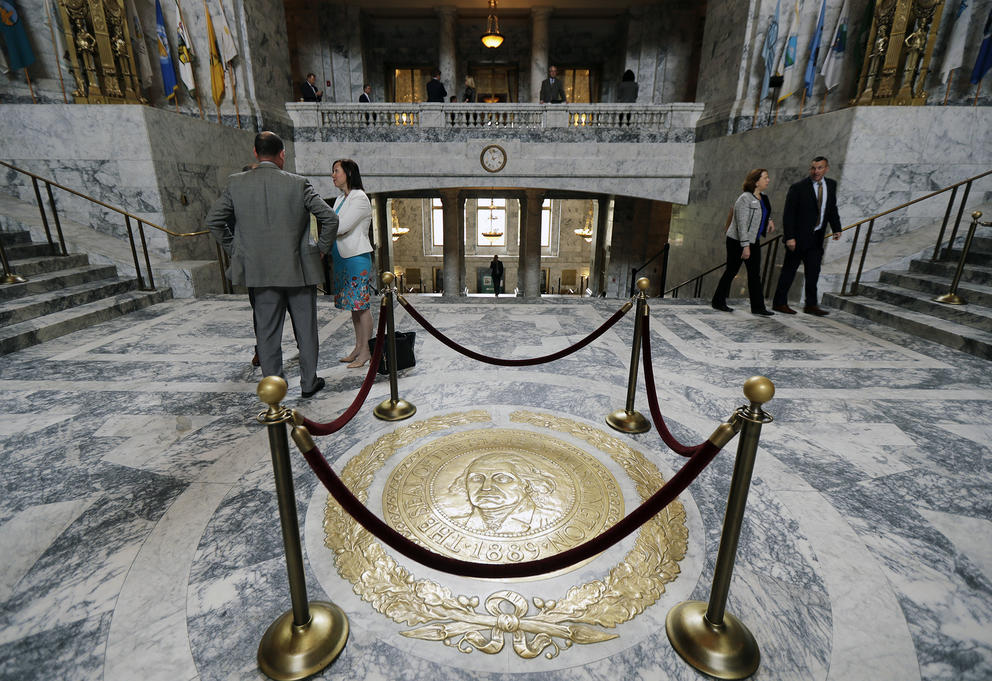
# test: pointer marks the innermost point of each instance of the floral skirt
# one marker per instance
(351, 280)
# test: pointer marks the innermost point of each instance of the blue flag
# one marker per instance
(814, 50)
(984, 61)
(771, 39)
(19, 54)
(165, 55)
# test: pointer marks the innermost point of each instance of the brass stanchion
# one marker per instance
(393, 409)
(8, 276)
(304, 640)
(627, 420)
(952, 297)
(705, 635)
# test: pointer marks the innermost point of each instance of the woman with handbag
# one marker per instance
(750, 220)
(352, 256)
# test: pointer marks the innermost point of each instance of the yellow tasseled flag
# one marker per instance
(216, 67)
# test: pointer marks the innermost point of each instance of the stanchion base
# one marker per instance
(394, 411)
(951, 299)
(628, 421)
(288, 652)
(13, 279)
(728, 651)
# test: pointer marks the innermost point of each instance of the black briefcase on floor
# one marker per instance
(404, 351)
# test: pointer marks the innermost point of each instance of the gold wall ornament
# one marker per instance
(534, 627)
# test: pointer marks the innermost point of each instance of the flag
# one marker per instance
(216, 66)
(165, 55)
(19, 53)
(139, 46)
(771, 40)
(814, 50)
(56, 23)
(786, 66)
(185, 52)
(954, 54)
(834, 61)
(225, 41)
(984, 61)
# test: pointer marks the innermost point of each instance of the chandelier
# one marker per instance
(397, 231)
(492, 38)
(495, 231)
(586, 230)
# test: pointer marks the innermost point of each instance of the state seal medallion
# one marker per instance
(530, 486)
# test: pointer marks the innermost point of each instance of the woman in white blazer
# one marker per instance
(352, 254)
(751, 219)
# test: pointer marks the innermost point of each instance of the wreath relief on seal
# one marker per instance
(584, 614)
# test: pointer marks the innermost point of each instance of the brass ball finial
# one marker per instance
(759, 390)
(977, 214)
(272, 390)
(643, 283)
(388, 278)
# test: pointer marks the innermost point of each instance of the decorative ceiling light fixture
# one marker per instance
(397, 231)
(586, 230)
(492, 38)
(495, 231)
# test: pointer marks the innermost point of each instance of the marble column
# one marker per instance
(452, 208)
(597, 277)
(446, 47)
(529, 267)
(384, 234)
(538, 50)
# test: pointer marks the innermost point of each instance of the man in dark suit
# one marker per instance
(263, 222)
(309, 89)
(366, 96)
(552, 89)
(496, 272)
(810, 205)
(435, 88)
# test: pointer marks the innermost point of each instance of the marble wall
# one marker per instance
(880, 156)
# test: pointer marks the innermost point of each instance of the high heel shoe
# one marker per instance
(349, 358)
(359, 363)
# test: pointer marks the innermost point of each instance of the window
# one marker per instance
(581, 85)
(546, 224)
(437, 223)
(491, 219)
(409, 84)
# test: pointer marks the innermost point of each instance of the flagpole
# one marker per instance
(823, 102)
(947, 92)
(35, 101)
(977, 92)
(234, 94)
(802, 103)
(196, 86)
(55, 46)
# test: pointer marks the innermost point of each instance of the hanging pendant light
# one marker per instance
(397, 231)
(586, 230)
(494, 232)
(492, 38)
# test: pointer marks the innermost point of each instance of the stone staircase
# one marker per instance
(904, 299)
(62, 294)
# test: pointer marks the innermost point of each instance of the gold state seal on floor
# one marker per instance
(502, 495)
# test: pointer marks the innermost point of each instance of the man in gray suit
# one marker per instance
(263, 222)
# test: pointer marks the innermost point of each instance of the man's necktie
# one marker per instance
(819, 203)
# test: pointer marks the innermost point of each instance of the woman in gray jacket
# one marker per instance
(751, 219)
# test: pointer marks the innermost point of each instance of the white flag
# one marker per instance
(225, 41)
(139, 46)
(185, 51)
(832, 65)
(787, 67)
(954, 55)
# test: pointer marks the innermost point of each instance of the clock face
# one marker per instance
(493, 158)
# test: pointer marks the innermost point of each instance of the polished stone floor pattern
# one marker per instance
(139, 535)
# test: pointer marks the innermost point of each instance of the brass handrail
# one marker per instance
(856, 225)
(101, 203)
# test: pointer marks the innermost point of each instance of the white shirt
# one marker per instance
(823, 203)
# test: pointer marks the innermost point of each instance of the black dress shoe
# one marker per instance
(320, 386)
(764, 313)
(254, 360)
(722, 307)
(784, 309)
(815, 310)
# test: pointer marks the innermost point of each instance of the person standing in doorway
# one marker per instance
(496, 271)
(552, 89)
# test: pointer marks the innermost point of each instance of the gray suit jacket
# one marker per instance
(552, 93)
(263, 222)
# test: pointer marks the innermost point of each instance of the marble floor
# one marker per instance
(139, 535)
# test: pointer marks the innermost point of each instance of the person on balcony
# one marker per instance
(309, 89)
(627, 92)
(469, 95)
(552, 89)
(435, 88)
(749, 221)
(352, 256)
(366, 96)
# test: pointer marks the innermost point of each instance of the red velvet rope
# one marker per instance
(341, 421)
(387, 535)
(513, 362)
(659, 420)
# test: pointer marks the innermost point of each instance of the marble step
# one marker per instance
(964, 338)
(973, 315)
(29, 307)
(10, 237)
(975, 274)
(975, 294)
(53, 281)
(40, 329)
(976, 256)
(30, 250)
(28, 267)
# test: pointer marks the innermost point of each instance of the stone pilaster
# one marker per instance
(538, 50)
(529, 267)
(453, 210)
(446, 47)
